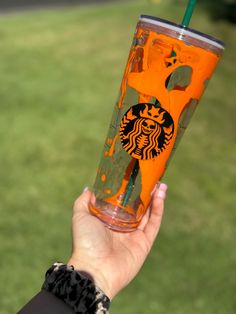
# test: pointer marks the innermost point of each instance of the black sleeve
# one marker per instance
(46, 303)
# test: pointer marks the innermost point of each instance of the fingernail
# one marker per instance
(161, 194)
(163, 187)
(85, 189)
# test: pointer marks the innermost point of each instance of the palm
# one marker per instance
(106, 254)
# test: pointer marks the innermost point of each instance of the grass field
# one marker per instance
(59, 77)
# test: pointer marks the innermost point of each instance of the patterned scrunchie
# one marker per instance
(75, 289)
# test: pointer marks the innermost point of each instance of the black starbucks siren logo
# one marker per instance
(146, 130)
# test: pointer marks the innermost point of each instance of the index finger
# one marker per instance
(157, 209)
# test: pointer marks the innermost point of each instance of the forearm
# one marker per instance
(46, 303)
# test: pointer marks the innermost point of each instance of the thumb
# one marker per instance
(82, 202)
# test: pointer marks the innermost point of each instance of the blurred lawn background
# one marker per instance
(60, 72)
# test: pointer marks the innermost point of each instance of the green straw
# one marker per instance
(188, 12)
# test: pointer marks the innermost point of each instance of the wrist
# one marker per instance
(94, 274)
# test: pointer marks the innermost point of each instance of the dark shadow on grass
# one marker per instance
(12, 6)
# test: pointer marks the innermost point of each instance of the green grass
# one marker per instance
(59, 77)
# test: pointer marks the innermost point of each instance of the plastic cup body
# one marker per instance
(167, 71)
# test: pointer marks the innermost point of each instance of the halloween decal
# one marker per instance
(146, 130)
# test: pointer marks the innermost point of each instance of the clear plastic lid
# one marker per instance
(185, 34)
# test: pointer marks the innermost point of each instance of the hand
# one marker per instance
(112, 259)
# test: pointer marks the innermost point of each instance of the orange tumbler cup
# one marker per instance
(167, 72)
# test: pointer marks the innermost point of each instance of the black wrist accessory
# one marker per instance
(75, 289)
